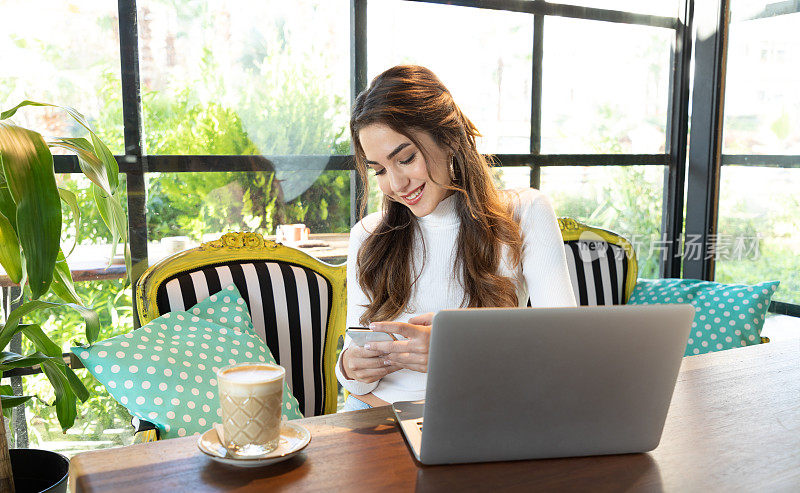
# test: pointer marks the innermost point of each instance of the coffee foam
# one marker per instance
(256, 378)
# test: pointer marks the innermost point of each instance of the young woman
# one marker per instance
(445, 238)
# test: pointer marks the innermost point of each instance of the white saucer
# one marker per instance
(294, 438)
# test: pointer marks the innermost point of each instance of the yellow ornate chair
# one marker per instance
(297, 303)
(602, 264)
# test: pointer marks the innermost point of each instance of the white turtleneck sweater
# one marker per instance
(541, 276)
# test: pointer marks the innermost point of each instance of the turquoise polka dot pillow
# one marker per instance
(165, 371)
(728, 315)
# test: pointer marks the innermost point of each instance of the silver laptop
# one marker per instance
(531, 383)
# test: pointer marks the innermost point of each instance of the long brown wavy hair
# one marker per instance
(411, 98)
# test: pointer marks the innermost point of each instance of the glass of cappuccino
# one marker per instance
(251, 397)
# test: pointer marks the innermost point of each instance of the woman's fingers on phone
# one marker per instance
(361, 363)
(424, 319)
(389, 347)
(410, 361)
(407, 358)
(370, 375)
(360, 352)
(355, 363)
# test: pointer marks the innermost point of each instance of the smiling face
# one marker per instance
(401, 170)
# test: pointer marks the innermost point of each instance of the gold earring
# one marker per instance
(452, 168)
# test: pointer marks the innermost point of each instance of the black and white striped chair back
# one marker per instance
(290, 306)
(602, 264)
(597, 279)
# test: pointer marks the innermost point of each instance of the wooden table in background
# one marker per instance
(734, 424)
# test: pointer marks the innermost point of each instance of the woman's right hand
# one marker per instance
(364, 365)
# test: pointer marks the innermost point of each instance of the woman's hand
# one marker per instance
(365, 366)
(411, 353)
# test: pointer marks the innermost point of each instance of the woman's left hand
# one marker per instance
(411, 353)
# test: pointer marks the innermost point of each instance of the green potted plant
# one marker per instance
(31, 255)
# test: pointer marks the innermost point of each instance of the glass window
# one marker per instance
(762, 103)
(243, 78)
(482, 56)
(64, 53)
(228, 201)
(605, 87)
(759, 228)
(375, 196)
(511, 177)
(622, 199)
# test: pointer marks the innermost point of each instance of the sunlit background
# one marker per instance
(271, 77)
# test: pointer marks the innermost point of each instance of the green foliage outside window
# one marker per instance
(291, 114)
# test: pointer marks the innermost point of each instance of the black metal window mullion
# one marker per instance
(563, 10)
(358, 82)
(711, 28)
(199, 163)
(132, 125)
(536, 98)
(583, 159)
(783, 308)
(765, 160)
(677, 130)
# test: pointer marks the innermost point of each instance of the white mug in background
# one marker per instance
(175, 244)
(291, 233)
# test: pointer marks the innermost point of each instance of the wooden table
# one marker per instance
(733, 425)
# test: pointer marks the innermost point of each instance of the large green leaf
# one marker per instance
(75, 383)
(71, 111)
(102, 151)
(65, 383)
(99, 165)
(36, 335)
(7, 205)
(12, 401)
(9, 356)
(91, 165)
(13, 326)
(104, 207)
(12, 321)
(62, 285)
(52, 354)
(114, 216)
(9, 400)
(9, 360)
(28, 169)
(10, 257)
(65, 403)
(72, 201)
(10, 113)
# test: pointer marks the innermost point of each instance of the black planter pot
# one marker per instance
(37, 471)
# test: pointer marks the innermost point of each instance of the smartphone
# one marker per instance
(363, 335)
